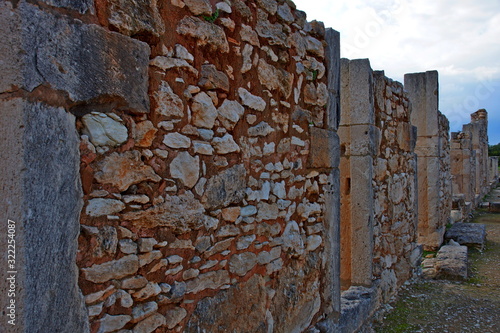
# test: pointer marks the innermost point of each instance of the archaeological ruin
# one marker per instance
(214, 166)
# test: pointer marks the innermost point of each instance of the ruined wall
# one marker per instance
(396, 251)
(378, 182)
(434, 185)
(220, 200)
(493, 169)
(205, 137)
(470, 165)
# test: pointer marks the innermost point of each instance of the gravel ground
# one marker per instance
(449, 306)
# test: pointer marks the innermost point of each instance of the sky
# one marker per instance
(460, 39)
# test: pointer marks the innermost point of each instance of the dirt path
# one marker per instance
(446, 306)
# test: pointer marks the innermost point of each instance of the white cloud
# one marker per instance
(459, 38)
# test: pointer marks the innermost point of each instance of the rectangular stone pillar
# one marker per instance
(52, 63)
(358, 138)
(479, 122)
(493, 169)
(423, 92)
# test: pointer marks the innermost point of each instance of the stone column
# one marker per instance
(53, 65)
(479, 122)
(325, 145)
(358, 138)
(493, 170)
(423, 92)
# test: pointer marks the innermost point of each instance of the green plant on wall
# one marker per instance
(213, 17)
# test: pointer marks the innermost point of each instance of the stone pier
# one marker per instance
(432, 149)
(358, 139)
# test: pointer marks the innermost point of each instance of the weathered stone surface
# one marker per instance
(261, 129)
(325, 148)
(252, 101)
(100, 206)
(134, 282)
(182, 53)
(115, 269)
(150, 324)
(204, 111)
(107, 241)
(143, 310)
(211, 78)
(241, 264)
(245, 241)
(167, 63)
(168, 103)
(104, 130)
(297, 300)
(82, 6)
(42, 194)
(229, 113)
(275, 78)
(175, 316)
(468, 234)
(204, 32)
(285, 13)
(176, 140)
(225, 145)
(186, 168)
(144, 133)
(247, 58)
(210, 280)
(315, 46)
(451, 262)
(292, 238)
(224, 309)
(110, 323)
(183, 213)
(128, 246)
(247, 34)
(134, 17)
(75, 57)
(199, 7)
(203, 148)
(267, 211)
(270, 6)
(272, 32)
(150, 290)
(228, 187)
(124, 169)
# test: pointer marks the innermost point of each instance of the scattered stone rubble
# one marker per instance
(198, 172)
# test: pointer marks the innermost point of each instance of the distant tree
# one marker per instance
(494, 151)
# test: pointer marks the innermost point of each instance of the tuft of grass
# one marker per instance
(213, 17)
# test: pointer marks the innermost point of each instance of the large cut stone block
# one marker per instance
(325, 148)
(41, 192)
(356, 81)
(423, 90)
(451, 262)
(90, 64)
(468, 234)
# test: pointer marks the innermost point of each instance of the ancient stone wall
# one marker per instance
(434, 184)
(219, 200)
(396, 251)
(493, 169)
(208, 162)
(378, 181)
(470, 165)
(175, 164)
